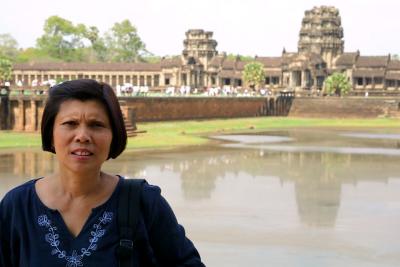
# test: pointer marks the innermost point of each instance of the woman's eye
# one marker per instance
(71, 123)
(98, 124)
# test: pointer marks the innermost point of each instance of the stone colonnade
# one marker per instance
(152, 79)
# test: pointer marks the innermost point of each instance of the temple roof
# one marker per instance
(273, 73)
(369, 73)
(88, 66)
(391, 75)
(230, 74)
(228, 64)
(240, 65)
(346, 59)
(216, 61)
(272, 62)
(171, 62)
(372, 61)
(394, 65)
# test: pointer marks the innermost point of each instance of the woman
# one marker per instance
(69, 218)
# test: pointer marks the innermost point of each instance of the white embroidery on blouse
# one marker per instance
(75, 259)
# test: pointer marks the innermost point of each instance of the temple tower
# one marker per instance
(321, 32)
(199, 46)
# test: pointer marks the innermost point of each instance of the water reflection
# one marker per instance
(317, 176)
(18, 166)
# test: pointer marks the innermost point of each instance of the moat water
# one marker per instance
(305, 197)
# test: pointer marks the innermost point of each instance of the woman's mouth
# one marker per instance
(82, 153)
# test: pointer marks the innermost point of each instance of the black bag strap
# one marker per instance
(128, 217)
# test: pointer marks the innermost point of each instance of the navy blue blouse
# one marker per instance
(31, 234)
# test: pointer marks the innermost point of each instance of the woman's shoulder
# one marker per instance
(19, 192)
(150, 191)
(150, 195)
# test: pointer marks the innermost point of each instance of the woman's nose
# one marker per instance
(82, 135)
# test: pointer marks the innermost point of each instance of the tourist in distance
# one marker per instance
(77, 215)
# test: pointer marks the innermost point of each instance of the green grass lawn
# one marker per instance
(189, 133)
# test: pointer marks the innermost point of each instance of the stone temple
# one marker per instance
(320, 53)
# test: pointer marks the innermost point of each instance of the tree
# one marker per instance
(337, 83)
(240, 57)
(33, 54)
(98, 49)
(253, 74)
(5, 70)
(61, 39)
(124, 44)
(8, 46)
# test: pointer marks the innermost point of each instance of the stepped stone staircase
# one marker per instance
(130, 128)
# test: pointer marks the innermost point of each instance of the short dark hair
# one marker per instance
(84, 90)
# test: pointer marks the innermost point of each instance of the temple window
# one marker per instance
(320, 81)
(213, 80)
(113, 80)
(360, 81)
(156, 80)
(390, 83)
(183, 80)
(368, 81)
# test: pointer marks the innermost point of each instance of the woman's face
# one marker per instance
(82, 135)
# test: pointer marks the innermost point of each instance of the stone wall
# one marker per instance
(24, 113)
(184, 108)
(335, 107)
(21, 113)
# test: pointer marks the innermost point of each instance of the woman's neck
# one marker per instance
(79, 184)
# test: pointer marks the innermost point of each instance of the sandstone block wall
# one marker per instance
(24, 113)
(162, 109)
(335, 107)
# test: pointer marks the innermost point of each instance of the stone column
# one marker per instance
(21, 115)
(291, 80)
(8, 114)
(34, 117)
(303, 79)
(373, 82)
(191, 78)
(29, 79)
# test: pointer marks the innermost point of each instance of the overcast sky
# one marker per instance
(247, 27)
